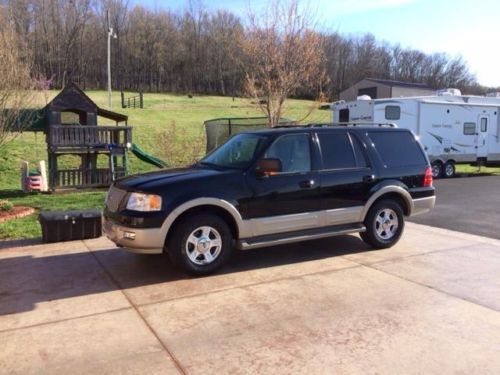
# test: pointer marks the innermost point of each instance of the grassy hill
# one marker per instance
(170, 127)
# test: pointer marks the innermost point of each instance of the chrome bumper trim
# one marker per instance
(422, 205)
(146, 241)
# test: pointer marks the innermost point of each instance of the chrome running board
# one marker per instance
(298, 236)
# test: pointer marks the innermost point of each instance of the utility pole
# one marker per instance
(110, 34)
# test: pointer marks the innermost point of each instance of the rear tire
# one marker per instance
(384, 224)
(437, 169)
(200, 244)
(449, 170)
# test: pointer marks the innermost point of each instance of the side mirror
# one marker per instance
(268, 167)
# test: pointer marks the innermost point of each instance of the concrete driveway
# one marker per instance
(429, 305)
(466, 204)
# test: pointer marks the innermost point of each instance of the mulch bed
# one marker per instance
(16, 213)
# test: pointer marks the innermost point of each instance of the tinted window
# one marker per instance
(336, 151)
(360, 155)
(397, 148)
(293, 151)
(392, 112)
(469, 128)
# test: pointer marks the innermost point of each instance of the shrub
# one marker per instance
(179, 148)
(5, 205)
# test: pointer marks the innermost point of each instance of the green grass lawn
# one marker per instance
(170, 127)
(465, 168)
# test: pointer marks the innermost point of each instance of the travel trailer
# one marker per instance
(453, 128)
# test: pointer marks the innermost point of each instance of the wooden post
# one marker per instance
(24, 175)
(141, 100)
(123, 99)
(43, 172)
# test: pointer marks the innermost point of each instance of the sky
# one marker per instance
(467, 28)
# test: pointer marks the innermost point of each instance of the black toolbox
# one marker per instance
(70, 225)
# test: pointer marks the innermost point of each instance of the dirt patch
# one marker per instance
(15, 213)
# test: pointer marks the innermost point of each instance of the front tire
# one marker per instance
(384, 224)
(200, 244)
(449, 170)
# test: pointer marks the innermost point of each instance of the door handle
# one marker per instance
(369, 178)
(306, 184)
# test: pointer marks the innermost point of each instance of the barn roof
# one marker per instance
(393, 83)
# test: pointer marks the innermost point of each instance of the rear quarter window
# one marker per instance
(397, 149)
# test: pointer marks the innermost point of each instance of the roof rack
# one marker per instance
(378, 124)
(289, 126)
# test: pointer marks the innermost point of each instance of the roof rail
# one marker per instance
(285, 126)
(378, 124)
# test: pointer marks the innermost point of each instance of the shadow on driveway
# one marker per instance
(27, 280)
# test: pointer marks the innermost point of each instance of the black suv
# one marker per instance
(272, 187)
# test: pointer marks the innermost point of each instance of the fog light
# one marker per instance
(129, 235)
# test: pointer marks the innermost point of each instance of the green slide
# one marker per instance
(145, 157)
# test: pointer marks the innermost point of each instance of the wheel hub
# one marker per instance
(386, 224)
(204, 244)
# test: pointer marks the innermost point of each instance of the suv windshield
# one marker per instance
(237, 152)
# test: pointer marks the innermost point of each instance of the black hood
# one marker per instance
(157, 179)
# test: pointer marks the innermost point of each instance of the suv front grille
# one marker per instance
(114, 198)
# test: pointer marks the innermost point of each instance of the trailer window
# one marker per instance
(392, 112)
(484, 124)
(344, 115)
(469, 128)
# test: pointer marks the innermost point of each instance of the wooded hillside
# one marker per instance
(194, 50)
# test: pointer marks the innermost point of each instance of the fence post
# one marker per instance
(123, 99)
(141, 100)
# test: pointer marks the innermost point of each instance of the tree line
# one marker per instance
(197, 50)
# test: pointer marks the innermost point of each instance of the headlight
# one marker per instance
(144, 202)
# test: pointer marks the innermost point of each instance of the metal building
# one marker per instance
(384, 88)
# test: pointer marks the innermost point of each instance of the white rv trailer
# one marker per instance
(453, 128)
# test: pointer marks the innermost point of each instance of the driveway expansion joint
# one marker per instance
(174, 359)
(412, 255)
(65, 320)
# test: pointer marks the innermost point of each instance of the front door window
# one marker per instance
(294, 152)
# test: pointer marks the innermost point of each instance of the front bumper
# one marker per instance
(422, 205)
(136, 240)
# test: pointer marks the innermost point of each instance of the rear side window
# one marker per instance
(336, 151)
(397, 149)
(360, 155)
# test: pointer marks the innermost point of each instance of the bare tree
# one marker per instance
(282, 53)
(191, 50)
(15, 84)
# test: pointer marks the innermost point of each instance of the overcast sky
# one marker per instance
(470, 28)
